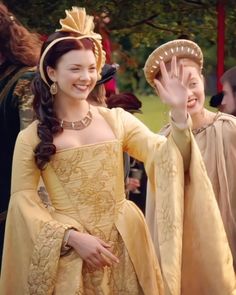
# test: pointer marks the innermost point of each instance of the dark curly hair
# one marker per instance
(49, 124)
(17, 45)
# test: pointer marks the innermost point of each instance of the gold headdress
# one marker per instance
(180, 48)
(77, 21)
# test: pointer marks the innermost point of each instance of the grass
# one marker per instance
(155, 113)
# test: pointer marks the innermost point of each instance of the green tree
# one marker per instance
(137, 27)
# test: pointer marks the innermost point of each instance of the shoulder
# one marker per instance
(225, 120)
(23, 85)
(28, 73)
(25, 75)
(112, 112)
(225, 126)
(118, 114)
(29, 135)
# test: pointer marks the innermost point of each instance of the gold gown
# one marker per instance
(86, 189)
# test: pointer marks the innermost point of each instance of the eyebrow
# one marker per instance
(79, 65)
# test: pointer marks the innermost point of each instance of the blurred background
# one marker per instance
(132, 29)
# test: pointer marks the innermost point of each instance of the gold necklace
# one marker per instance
(80, 124)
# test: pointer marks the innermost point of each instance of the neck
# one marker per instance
(71, 111)
(202, 118)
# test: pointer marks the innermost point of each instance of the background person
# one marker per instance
(228, 80)
(19, 53)
(98, 95)
(195, 216)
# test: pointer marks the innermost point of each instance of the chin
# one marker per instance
(195, 110)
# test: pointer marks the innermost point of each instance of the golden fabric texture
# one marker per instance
(193, 249)
(86, 189)
(217, 144)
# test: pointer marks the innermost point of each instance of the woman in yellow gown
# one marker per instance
(92, 240)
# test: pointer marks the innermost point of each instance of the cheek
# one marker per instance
(94, 77)
(201, 91)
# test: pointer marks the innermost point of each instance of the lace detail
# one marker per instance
(45, 258)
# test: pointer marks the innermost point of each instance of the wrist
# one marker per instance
(73, 236)
(179, 115)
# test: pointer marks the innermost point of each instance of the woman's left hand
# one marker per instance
(172, 90)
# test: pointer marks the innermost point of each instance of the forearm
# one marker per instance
(180, 132)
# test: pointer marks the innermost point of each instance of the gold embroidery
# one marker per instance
(89, 178)
(45, 258)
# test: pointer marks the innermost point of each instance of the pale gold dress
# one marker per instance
(86, 189)
(187, 229)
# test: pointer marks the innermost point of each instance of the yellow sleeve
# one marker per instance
(33, 238)
(140, 142)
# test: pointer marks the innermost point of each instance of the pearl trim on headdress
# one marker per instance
(180, 48)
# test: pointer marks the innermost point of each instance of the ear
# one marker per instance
(51, 73)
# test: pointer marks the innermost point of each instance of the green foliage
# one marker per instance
(155, 113)
(138, 27)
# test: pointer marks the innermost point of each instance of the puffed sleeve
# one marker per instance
(33, 238)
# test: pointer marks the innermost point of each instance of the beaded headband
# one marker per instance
(180, 48)
(77, 21)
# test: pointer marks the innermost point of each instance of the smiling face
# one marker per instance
(193, 82)
(75, 75)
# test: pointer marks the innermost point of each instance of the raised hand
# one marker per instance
(95, 252)
(172, 91)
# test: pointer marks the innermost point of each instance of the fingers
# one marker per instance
(100, 259)
(174, 70)
(164, 72)
(109, 255)
(102, 256)
(181, 72)
(160, 89)
(104, 244)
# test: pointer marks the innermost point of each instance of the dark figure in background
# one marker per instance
(135, 176)
(19, 52)
(98, 95)
(228, 80)
(225, 101)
